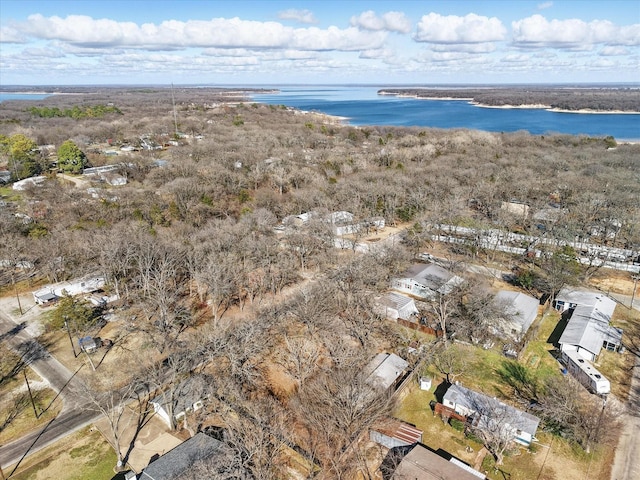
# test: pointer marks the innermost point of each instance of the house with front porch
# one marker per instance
(489, 412)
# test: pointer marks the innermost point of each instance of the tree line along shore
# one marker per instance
(196, 223)
(607, 100)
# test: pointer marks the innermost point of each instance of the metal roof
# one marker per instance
(424, 464)
(397, 301)
(490, 407)
(433, 277)
(400, 430)
(588, 327)
(385, 369)
(522, 308)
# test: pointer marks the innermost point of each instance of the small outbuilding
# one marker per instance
(385, 371)
(395, 305)
(395, 433)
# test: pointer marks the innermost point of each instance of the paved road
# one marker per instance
(626, 464)
(73, 415)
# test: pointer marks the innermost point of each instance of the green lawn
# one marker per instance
(81, 456)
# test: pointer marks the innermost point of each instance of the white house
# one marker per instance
(426, 281)
(395, 305)
(187, 397)
(342, 223)
(520, 312)
(489, 412)
(588, 329)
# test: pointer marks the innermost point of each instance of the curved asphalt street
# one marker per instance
(74, 414)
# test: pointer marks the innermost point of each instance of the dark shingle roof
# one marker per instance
(177, 461)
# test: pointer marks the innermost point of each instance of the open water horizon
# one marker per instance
(361, 106)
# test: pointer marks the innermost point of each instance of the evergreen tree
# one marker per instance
(71, 158)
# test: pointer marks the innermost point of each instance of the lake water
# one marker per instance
(363, 106)
(22, 96)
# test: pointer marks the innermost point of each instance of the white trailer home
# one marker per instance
(585, 373)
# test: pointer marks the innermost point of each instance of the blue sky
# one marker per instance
(275, 42)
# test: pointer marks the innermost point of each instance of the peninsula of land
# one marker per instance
(559, 99)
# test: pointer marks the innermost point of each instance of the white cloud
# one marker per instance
(301, 16)
(613, 51)
(10, 34)
(544, 5)
(452, 29)
(464, 47)
(536, 31)
(390, 21)
(515, 58)
(84, 31)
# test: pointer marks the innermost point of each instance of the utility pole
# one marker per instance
(33, 404)
(66, 324)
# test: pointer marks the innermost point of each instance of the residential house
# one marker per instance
(187, 397)
(424, 464)
(485, 411)
(394, 305)
(426, 281)
(588, 329)
(520, 311)
(385, 371)
(342, 223)
(177, 462)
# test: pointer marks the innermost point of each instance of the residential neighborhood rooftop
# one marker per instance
(385, 369)
(177, 461)
(421, 463)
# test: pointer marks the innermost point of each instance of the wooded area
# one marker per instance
(282, 323)
(562, 98)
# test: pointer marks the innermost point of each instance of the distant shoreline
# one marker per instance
(542, 100)
(549, 108)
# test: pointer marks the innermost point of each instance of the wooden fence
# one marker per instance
(420, 328)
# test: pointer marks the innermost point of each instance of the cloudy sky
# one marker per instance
(276, 42)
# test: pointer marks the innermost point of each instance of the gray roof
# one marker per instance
(587, 298)
(489, 407)
(522, 308)
(396, 300)
(177, 461)
(433, 277)
(385, 369)
(185, 394)
(421, 463)
(588, 327)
